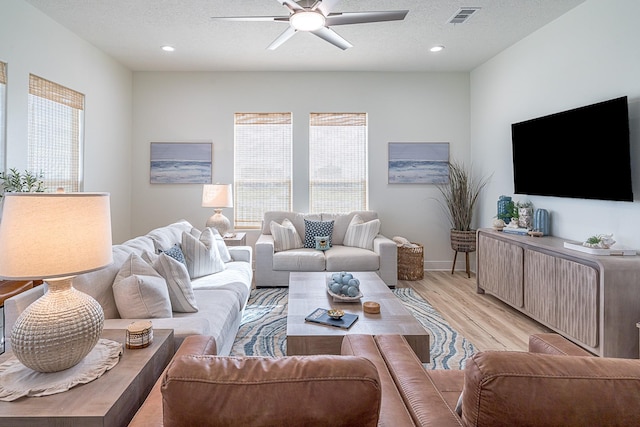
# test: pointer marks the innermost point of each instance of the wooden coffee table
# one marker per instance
(307, 291)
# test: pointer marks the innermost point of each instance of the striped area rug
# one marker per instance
(264, 328)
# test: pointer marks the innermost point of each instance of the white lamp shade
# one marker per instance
(217, 196)
(52, 235)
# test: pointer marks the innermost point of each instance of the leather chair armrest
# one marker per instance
(555, 344)
(150, 413)
(294, 391)
(505, 388)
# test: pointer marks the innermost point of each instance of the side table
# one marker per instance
(111, 400)
(238, 239)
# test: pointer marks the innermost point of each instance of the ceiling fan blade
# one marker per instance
(286, 35)
(253, 18)
(364, 17)
(332, 37)
(326, 6)
(291, 5)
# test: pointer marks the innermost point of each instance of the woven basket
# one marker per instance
(463, 241)
(411, 262)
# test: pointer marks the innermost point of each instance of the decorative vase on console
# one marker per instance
(541, 221)
(504, 211)
(525, 215)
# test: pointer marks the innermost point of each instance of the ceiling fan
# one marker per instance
(316, 16)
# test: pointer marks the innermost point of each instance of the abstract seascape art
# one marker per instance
(418, 162)
(181, 163)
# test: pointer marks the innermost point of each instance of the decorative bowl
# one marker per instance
(335, 313)
(340, 297)
(344, 298)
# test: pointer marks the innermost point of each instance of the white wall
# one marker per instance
(588, 55)
(402, 107)
(30, 42)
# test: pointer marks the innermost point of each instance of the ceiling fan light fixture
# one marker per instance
(307, 20)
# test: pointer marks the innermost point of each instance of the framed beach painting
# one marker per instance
(181, 162)
(418, 162)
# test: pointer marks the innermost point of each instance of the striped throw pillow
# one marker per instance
(361, 234)
(176, 275)
(285, 236)
(201, 252)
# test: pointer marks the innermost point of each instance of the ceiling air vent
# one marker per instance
(463, 15)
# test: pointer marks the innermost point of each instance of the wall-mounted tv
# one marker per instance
(580, 153)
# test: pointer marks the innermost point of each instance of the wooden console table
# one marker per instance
(111, 400)
(592, 300)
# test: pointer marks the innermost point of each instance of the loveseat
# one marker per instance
(177, 276)
(291, 241)
(556, 383)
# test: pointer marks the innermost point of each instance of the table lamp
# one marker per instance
(218, 196)
(55, 236)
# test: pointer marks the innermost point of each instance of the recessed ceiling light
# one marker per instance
(437, 48)
(168, 48)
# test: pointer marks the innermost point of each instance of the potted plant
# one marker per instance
(16, 182)
(459, 197)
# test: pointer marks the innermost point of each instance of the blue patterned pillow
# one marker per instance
(316, 228)
(174, 252)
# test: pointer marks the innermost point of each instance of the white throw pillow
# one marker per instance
(176, 275)
(361, 234)
(285, 236)
(201, 252)
(140, 292)
(222, 246)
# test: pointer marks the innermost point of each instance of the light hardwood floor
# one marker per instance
(484, 320)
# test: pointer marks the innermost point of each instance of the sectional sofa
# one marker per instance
(196, 302)
(287, 243)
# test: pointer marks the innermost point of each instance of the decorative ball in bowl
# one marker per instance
(335, 313)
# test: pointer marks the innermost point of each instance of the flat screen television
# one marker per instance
(580, 153)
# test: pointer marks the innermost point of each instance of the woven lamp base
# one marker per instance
(58, 330)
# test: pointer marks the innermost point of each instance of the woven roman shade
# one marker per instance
(3, 112)
(338, 162)
(56, 115)
(262, 166)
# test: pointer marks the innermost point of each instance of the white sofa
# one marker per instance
(220, 297)
(273, 267)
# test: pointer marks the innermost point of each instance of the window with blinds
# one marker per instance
(3, 113)
(262, 166)
(338, 162)
(56, 119)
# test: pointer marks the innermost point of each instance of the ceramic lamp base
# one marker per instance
(58, 330)
(219, 222)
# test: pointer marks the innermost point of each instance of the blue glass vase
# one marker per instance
(503, 209)
(541, 221)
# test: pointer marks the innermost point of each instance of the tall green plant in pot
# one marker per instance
(459, 197)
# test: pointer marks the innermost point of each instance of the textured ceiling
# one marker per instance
(132, 32)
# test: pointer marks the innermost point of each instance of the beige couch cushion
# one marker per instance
(346, 258)
(299, 260)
